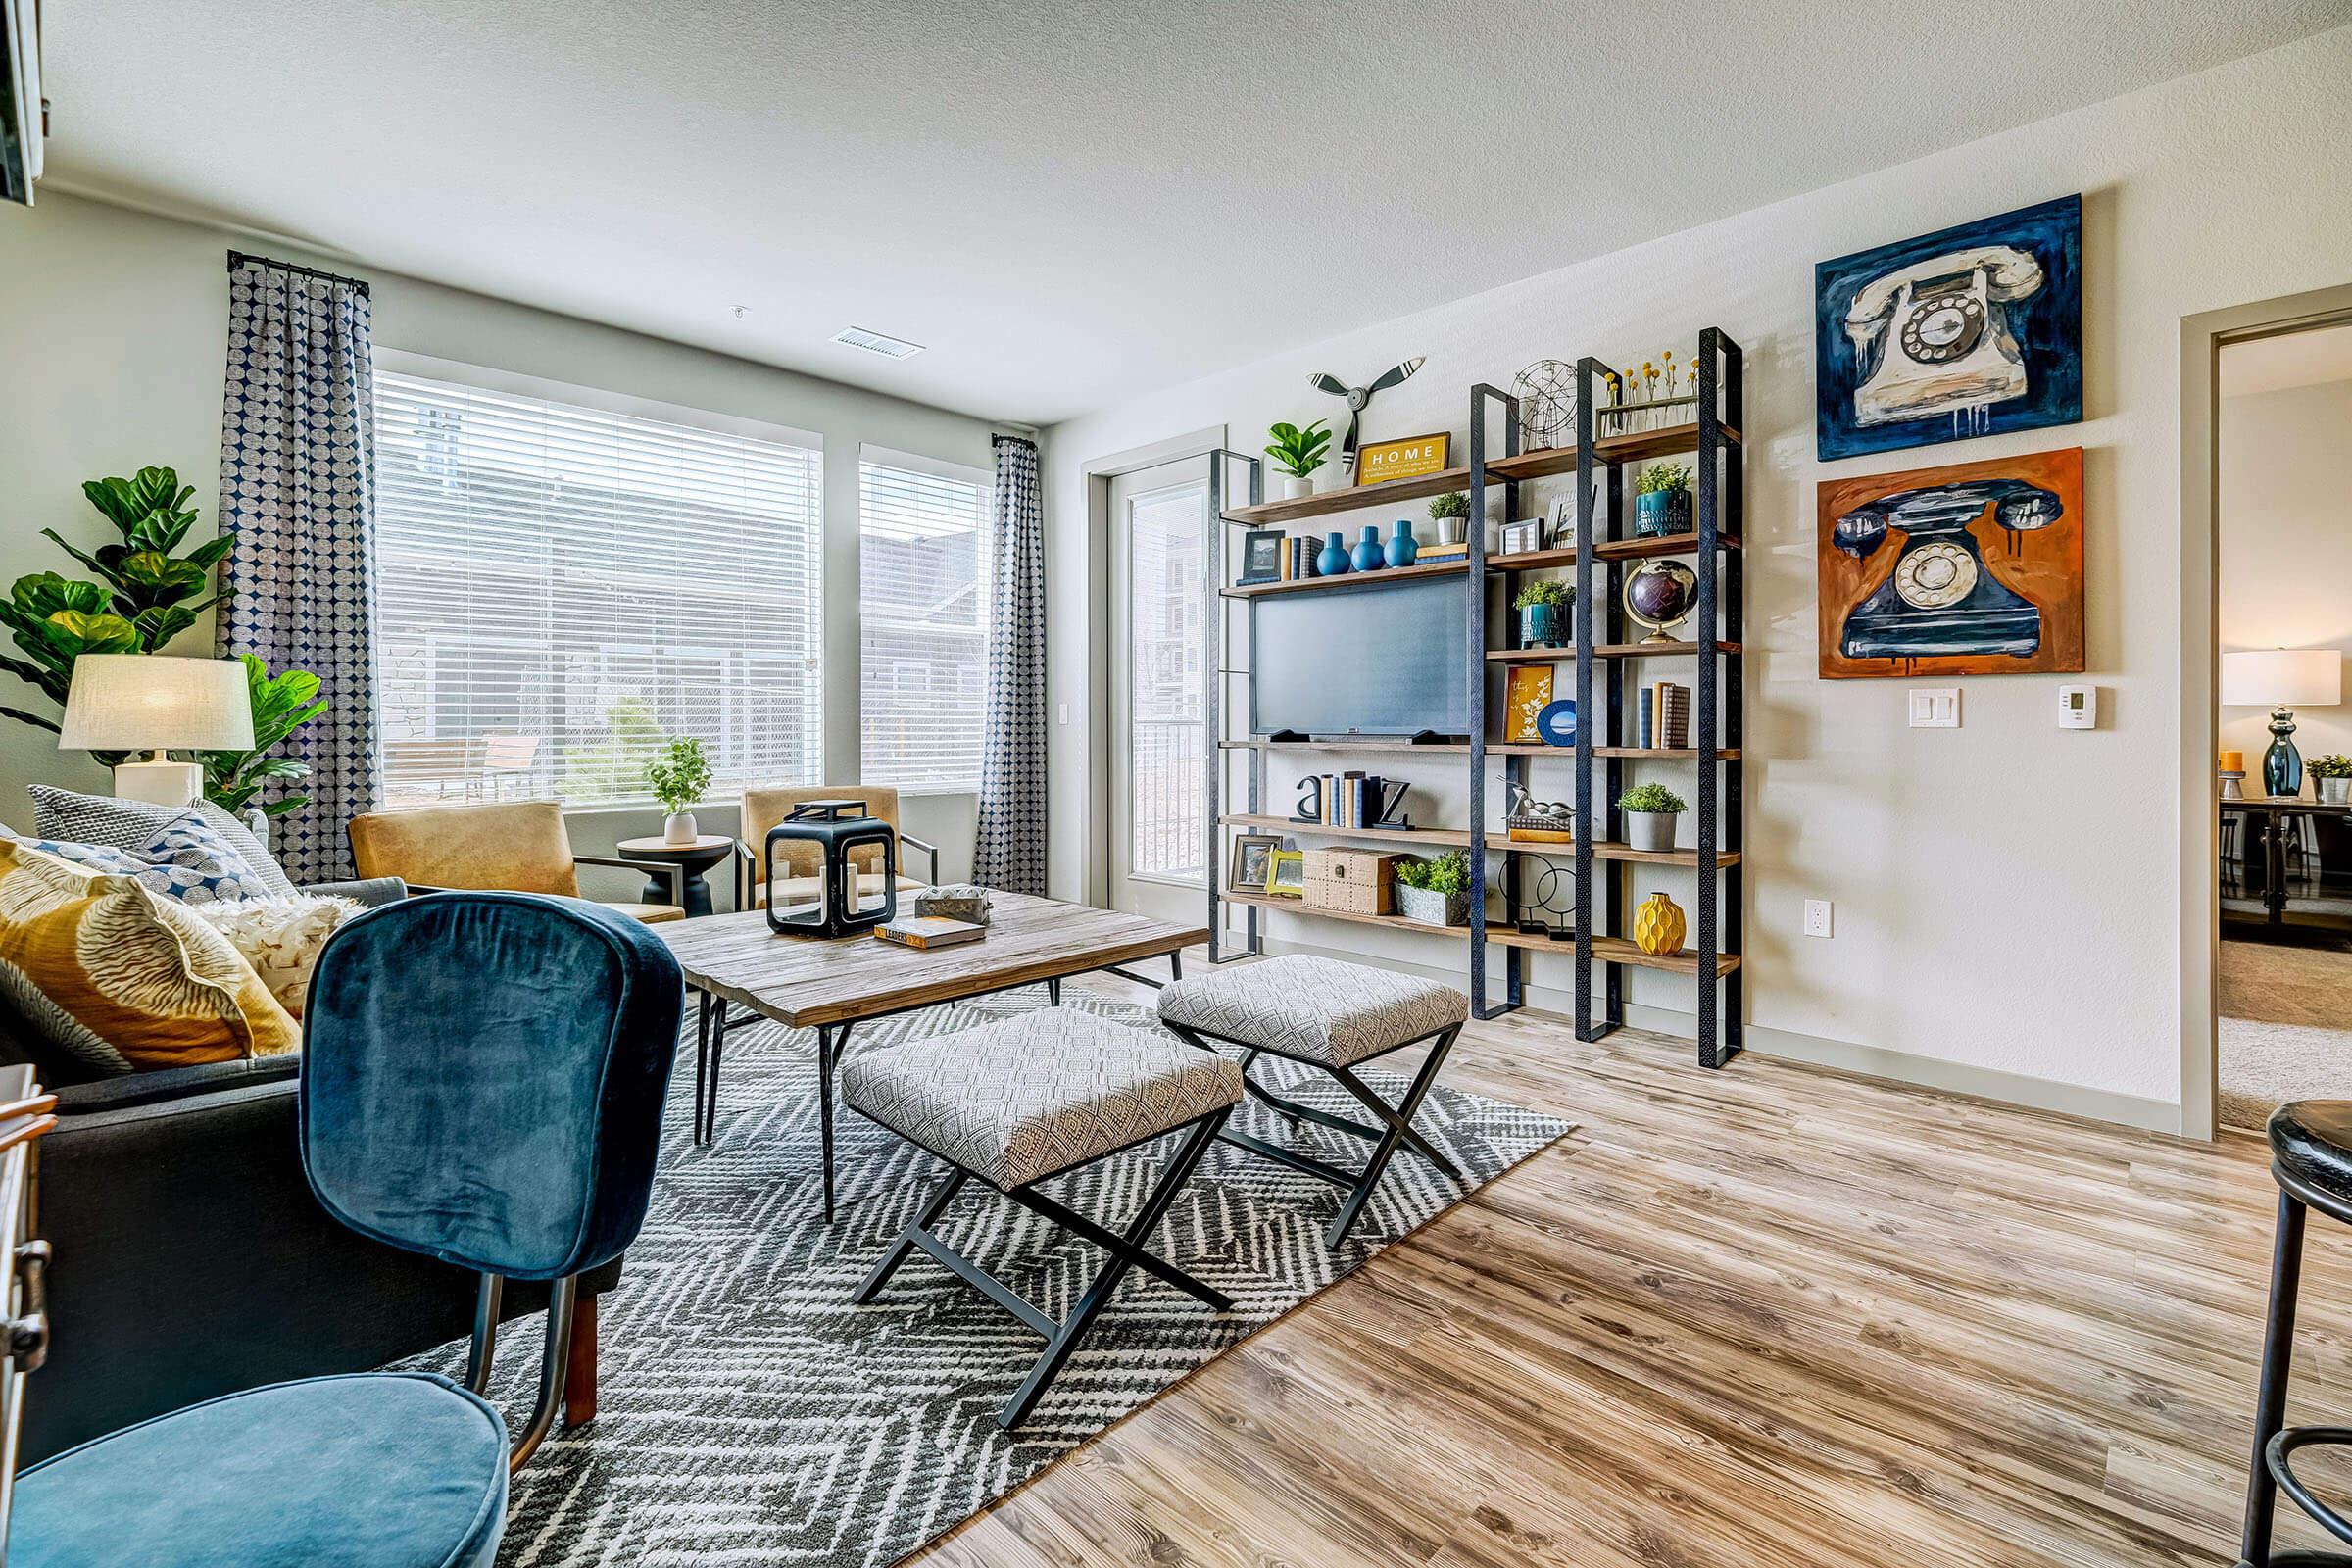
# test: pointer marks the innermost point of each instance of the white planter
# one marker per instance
(2335, 790)
(1651, 831)
(679, 827)
(1298, 488)
(1427, 906)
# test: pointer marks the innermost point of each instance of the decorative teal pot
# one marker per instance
(1368, 554)
(1333, 562)
(1537, 627)
(1658, 512)
(1403, 550)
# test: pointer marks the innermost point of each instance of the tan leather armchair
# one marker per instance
(796, 871)
(518, 846)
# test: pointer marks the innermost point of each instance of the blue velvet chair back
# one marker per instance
(483, 1075)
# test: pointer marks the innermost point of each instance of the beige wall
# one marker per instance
(2285, 468)
(113, 339)
(2006, 891)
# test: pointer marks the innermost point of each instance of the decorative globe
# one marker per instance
(1658, 926)
(1662, 593)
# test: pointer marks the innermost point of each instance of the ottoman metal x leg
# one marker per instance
(1016, 1103)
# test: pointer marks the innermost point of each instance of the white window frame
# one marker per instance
(487, 379)
(938, 469)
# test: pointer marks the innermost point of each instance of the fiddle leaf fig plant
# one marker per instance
(282, 704)
(1298, 453)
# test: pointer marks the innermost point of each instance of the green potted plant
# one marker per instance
(282, 704)
(1435, 891)
(677, 778)
(1297, 455)
(1662, 500)
(1542, 606)
(1450, 513)
(1650, 810)
(2334, 774)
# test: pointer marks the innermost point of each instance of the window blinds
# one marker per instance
(562, 589)
(923, 609)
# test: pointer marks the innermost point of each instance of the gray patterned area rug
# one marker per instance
(750, 1414)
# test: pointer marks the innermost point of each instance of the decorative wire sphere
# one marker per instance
(1546, 394)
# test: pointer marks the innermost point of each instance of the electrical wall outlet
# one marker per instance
(1817, 918)
(1935, 707)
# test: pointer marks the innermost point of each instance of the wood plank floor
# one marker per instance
(1775, 1315)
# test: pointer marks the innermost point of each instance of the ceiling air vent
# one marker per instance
(890, 348)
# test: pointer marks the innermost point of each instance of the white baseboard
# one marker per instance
(1898, 1066)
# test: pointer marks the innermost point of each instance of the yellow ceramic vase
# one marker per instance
(1658, 926)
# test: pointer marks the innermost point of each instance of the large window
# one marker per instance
(562, 588)
(923, 606)
(1167, 696)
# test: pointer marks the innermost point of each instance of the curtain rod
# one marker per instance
(237, 259)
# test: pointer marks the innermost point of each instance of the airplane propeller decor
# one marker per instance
(1358, 397)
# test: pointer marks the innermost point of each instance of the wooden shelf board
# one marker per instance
(1443, 748)
(1605, 950)
(1567, 655)
(1353, 498)
(1449, 838)
(1655, 754)
(1673, 544)
(1637, 446)
(1300, 585)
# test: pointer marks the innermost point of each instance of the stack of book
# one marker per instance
(1665, 718)
(1349, 799)
(1431, 554)
(1298, 554)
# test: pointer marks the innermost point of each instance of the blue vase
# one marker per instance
(1333, 562)
(1536, 629)
(1368, 554)
(1403, 550)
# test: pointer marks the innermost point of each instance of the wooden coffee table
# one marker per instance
(833, 986)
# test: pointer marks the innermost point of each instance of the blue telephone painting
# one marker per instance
(1963, 332)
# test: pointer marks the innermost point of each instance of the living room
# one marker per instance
(1197, 783)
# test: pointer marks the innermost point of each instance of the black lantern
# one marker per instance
(818, 838)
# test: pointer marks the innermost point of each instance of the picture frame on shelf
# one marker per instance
(1527, 693)
(1261, 555)
(1524, 537)
(1286, 873)
(1251, 870)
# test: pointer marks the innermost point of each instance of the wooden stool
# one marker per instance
(2311, 1158)
(1013, 1103)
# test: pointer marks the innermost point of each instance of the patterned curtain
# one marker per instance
(298, 485)
(1011, 852)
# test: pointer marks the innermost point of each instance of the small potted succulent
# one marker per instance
(1542, 606)
(2333, 775)
(1435, 891)
(1297, 455)
(677, 779)
(1450, 513)
(1662, 500)
(1650, 810)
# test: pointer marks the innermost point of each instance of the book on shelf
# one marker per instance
(1429, 554)
(1673, 712)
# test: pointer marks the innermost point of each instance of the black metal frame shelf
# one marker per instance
(1602, 658)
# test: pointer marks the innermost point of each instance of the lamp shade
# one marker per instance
(144, 702)
(2283, 678)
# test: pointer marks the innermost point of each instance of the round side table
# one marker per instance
(691, 859)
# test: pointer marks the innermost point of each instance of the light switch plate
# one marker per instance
(1935, 707)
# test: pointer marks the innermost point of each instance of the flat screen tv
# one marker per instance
(1379, 658)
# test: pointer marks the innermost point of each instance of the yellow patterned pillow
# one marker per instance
(121, 980)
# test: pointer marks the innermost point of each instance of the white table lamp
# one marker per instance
(147, 703)
(2282, 679)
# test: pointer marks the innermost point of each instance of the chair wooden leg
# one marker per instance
(580, 1378)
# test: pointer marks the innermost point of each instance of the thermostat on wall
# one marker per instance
(2078, 707)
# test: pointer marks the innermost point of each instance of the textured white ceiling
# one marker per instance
(1066, 202)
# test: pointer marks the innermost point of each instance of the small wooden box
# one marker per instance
(1350, 881)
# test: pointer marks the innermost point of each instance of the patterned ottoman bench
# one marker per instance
(1328, 1015)
(1013, 1103)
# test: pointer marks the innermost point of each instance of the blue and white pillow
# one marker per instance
(71, 818)
(188, 859)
